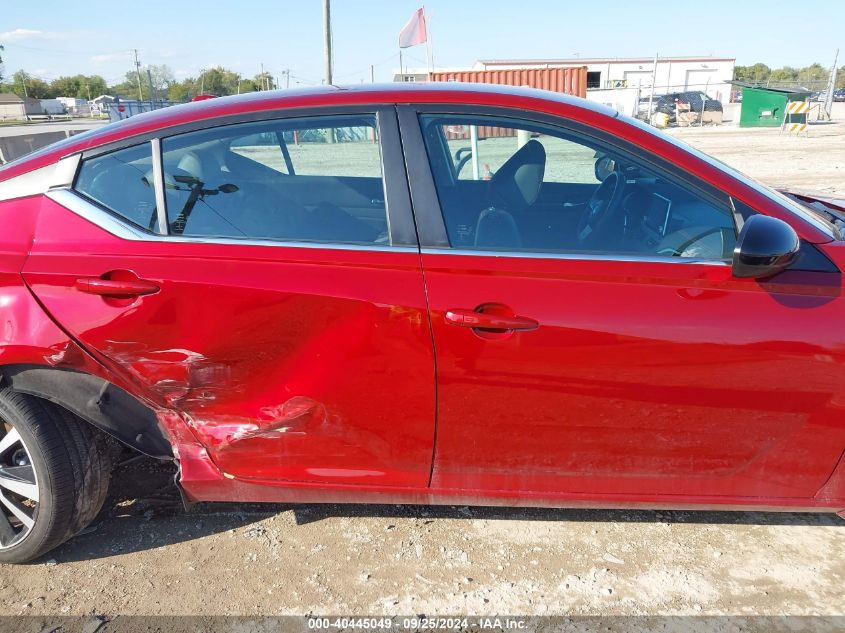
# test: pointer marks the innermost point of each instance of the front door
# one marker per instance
(279, 311)
(598, 345)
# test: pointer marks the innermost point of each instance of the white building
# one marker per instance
(53, 107)
(74, 106)
(711, 75)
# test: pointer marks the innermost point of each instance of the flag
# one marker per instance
(414, 31)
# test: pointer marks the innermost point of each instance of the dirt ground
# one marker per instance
(145, 555)
(813, 162)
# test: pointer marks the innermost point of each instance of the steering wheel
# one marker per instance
(597, 219)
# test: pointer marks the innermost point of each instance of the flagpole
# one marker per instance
(428, 44)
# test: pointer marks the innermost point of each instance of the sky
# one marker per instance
(61, 38)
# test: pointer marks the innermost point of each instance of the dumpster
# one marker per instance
(766, 107)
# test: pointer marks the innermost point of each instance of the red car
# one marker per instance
(428, 294)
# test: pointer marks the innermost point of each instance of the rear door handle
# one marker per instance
(116, 287)
(486, 321)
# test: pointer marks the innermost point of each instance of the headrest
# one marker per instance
(516, 184)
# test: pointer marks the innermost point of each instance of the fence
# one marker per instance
(124, 109)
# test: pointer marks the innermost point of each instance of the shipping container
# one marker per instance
(571, 81)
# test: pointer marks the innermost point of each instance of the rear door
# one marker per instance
(621, 359)
(285, 319)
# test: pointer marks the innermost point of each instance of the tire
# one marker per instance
(54, 475)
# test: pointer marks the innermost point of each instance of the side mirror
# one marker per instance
(765, 247)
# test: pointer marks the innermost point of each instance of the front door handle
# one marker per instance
(116, 287)
(489, 321)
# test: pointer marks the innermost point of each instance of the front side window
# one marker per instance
(512, 185)
(312, 179)
(122, 182)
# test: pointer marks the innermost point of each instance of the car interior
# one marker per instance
(214, 189)
(630, 210)
(233, 184)
(220, 185)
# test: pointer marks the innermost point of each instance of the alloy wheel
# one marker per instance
(18, 488)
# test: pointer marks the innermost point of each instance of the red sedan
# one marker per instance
(427, 294)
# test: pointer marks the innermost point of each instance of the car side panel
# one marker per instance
(310, 364)
(642, 378)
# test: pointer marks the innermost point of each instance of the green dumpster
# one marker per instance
(766, 107)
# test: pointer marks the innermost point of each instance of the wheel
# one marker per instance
(54, 475)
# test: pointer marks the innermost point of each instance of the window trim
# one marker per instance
(120, 228)
(431, 226)
(158, 184)
(399, 214)
(113, 213)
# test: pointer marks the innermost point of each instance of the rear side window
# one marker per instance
(122, 182)
(315, 179)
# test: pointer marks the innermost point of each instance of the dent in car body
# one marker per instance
(241, 336)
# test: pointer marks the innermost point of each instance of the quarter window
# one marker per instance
(316, 179)
(523, 186)
(122, 181)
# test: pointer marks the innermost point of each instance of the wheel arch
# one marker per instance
(95, 400)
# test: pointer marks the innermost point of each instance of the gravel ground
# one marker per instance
(145, 555)
(814, 162)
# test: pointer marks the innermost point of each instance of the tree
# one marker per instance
(25, 85)
(183, 90)
(67, 86)
(78, 86)
(756, 72)
(1, 63)
(264, 81)
(787, 73)
(162, 78)
(219, 81)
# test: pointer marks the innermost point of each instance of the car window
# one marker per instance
(261, 147)
(122, 181)
(566, 161)
(311, 179)
(355, 150)
(549, 190)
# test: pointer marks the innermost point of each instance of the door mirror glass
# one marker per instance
(765, 247)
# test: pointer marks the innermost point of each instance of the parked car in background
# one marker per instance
(319, 296)
(668, 104)
(839, 95)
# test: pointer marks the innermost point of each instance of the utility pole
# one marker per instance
(327, 42)
(651, 94)
(287, 78)
(327, 54)
(138, 69)
(827, 107)
(263, 78)
(372, 74)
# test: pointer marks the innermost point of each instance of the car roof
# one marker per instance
(364, 94)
